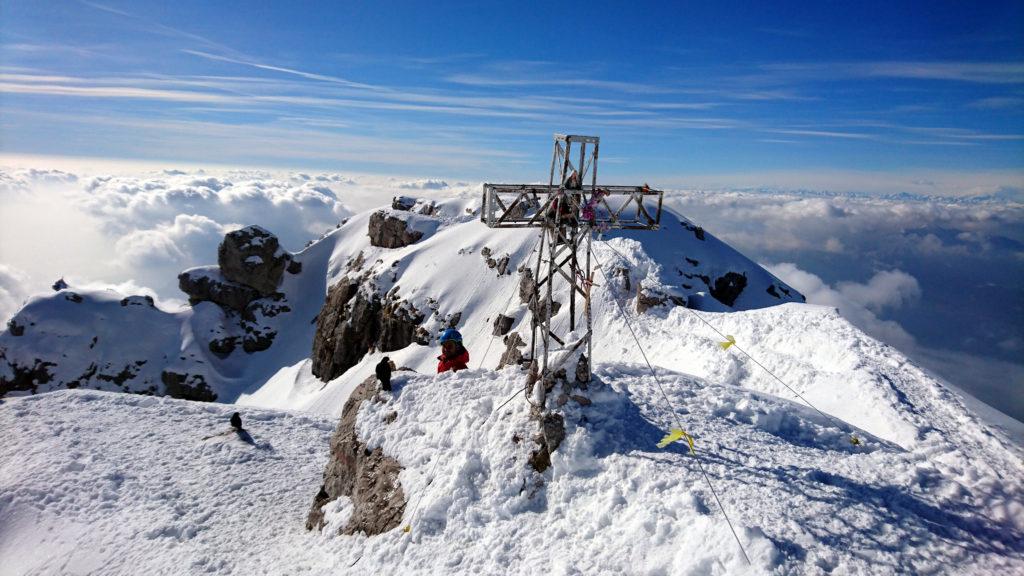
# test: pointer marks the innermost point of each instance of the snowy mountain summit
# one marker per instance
(441, 474)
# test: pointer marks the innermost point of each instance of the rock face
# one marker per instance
(502, 324)
(512, 356)
(352, 321)
(728, 288)
(389, 231)
(368, 477)
(187, 386)
(207, 284)
(253, 257)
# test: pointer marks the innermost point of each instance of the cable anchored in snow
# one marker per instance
(730, 342)
(675, 414)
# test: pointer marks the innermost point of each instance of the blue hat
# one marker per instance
(451, 334)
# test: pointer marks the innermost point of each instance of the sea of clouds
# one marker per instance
(942, 279)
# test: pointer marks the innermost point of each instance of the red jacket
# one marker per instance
(459, 362)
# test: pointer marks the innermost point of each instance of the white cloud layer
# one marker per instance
(858, 303)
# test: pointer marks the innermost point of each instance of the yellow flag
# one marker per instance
(677, 434)
(729, 341)
(407, 528)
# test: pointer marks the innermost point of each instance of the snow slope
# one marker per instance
(114, 483)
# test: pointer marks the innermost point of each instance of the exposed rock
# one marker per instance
(388, 231)
(552, 432)
(223, 347)
(14, 328)
(205, 284)
(539, 309)
(186, 386)
(502, 265)
(24, 377)
(73, 297)
(370, 479)
(352, 321)
(526, 285)
(502, 324)
(728, 288)
(512, 355)
(137, 301)
(294, 267)
(646, 300)
(252, 257)
(582, 370)
(257, 338)
(59, 285)
(697, 230)
(581, 400)
(485, 252)
(403, 203)
(771, 290)
(454, 319)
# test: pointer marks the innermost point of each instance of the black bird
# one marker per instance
(384, 373)
(236, 421)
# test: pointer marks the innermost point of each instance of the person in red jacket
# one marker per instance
(454, 355)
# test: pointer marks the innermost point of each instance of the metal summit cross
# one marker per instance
(567, 210)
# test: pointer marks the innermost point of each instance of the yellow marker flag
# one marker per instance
(677, 434)
(729, 341)
(407, 528)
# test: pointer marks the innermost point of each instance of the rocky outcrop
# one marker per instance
(389, 231)
(512, 356)
(253, 257)
(728, 288)
(187, 386)
(502, 324)
(369, 478)
(206, 284)
(353, 321)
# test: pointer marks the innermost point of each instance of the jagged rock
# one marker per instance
(352, 321)
(645, 301)
(454, 319)
(137, 301)
(403, 203)
(187, 386)
(552, 432)
(486, 253)
(387, 231)
(369, 478)
(526, 285)
(294, 267)
(59, 285)
(582, 370)
(206, 284)
(771, 290)
(252, 257)
(539, 309)
(14, 328)
(223, 347)
(73, 297)
(697, 230)
(421, 336)
(729, 287)
(257, 338)
(502, 324)
(511, 356)
(502, 265)
(25, 377)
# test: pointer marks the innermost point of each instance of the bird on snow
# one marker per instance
(383, 371)
(236, 421)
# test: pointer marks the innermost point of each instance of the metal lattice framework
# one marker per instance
(567, 211)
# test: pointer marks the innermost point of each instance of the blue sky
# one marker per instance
(818, 94)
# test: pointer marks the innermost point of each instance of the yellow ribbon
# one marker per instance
(677, 434)
(729, 341)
